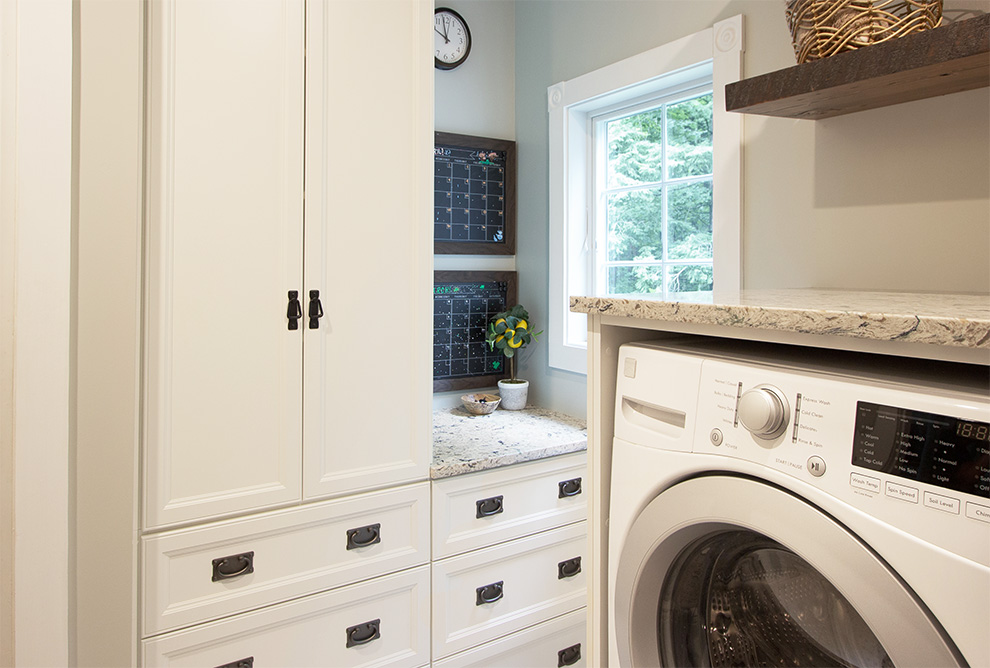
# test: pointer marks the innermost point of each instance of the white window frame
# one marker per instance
(715, 52)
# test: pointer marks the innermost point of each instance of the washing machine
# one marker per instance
(783, 506)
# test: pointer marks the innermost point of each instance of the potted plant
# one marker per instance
(510, 332)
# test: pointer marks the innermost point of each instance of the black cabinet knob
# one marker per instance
(294, 312)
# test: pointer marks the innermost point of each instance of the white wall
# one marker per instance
(889, 199)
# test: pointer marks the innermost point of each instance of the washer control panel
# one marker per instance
(913, 454)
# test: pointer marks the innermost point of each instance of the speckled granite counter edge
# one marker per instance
(927, 329)
(464, 443)
(450, 469)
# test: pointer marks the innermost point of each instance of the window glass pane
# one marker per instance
(635, 149)
(689, 221)
(639, 279)
(635, 226)
(689, 137)
(689, 282)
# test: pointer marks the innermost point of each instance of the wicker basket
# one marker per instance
(821, 28)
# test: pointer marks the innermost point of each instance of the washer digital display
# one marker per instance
(925, 447)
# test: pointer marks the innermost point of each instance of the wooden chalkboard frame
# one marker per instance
(447, 277)
(508, 244)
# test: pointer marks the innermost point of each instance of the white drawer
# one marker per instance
(559, 642)
(526, 574)
(519, 500)
(296, 552)
(314, 631)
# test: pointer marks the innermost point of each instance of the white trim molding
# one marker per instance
(36, 133)
(715, 52)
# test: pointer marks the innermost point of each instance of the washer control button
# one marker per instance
(902, 492)
(946, 504)
(716, 437)
(978, 512)
(816, 466)
(864, 482)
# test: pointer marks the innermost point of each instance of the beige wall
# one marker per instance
(107, 348)
(889, 199)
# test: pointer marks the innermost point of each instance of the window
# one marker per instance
(645, 175)
(652, 198)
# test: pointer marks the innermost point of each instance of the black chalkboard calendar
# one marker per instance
(463, 304)
(474, 195)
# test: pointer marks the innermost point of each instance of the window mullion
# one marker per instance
(664, 199)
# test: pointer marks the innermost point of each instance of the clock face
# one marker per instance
(451, 39)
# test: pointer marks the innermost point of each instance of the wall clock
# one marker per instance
(451, 39)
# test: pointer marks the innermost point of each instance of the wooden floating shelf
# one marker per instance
(949, 59)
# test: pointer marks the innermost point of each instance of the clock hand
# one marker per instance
(445, 39)
(446, 26)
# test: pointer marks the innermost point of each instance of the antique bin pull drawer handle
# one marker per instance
(233, 566)
(489, 507)
(362, 634)
(364, 536)
(569, 568)
(569, 656)
(489, 593)
(243, 663)
(569, 488)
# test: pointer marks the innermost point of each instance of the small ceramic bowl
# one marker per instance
(480, 404)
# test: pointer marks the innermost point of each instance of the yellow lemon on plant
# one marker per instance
(522, 325)
(515, 343)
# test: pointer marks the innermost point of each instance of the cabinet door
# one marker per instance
(224, 194)
(369, 140)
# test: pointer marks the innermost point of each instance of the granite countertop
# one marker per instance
(960, 320)
(465, 443)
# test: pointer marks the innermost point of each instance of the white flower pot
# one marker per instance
(513, 394)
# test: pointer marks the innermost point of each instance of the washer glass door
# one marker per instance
(761, 605)
(729, 571)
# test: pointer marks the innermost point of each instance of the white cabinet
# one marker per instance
(472, 511)
(558, 642)
(250, 105)
(488, 593)
(281, 157)
(225, 142)
(384, 622)
(369, 189)
(510, 554)
(288, 553)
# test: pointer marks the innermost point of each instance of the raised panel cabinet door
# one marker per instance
(225, 113)
(369, 141)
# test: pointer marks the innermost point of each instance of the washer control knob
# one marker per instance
(763, 411)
